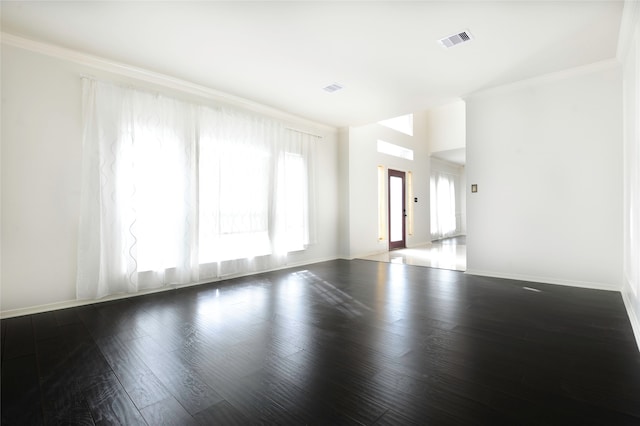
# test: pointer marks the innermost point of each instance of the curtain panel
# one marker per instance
(175, 192)
(443, 205)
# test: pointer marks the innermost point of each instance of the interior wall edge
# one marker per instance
(440, 161)
(37, 309)
(545, 280)
(56, 306)
(630, 15)
(546, 78)
(634, 318)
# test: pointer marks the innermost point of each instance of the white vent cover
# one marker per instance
(456, 39)
(333, 88)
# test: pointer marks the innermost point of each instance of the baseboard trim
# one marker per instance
(56, 306)
(76, 303)
(362, 256)
(634, 319)
(544, 280)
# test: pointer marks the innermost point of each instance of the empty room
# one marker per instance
(311, 212)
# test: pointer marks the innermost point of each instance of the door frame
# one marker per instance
(402, 243)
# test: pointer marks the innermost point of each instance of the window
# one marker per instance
(443, 205)
(171, 188)
(293, 178)
(234, 200)
(144, 191)
(382, 204)
(395, 150)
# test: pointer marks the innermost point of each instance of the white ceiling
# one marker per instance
(281, 54)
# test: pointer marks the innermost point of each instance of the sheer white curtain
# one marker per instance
(137, 194)
(296, 204)
(443, 205)
(176, 193)
(236, 153)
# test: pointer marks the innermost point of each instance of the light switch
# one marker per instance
(474, 188)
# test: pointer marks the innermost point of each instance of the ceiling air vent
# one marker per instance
(456, 39)
(333, 88)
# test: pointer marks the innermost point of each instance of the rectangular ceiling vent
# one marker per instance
(333, 88)
(456, 39)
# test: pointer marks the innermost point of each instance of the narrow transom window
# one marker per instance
(395, 150)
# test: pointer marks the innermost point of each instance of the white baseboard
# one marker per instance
(544, 280)
(362, 256)
(75, 303)
(633, 317)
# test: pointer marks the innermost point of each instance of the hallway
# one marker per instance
(448, 253)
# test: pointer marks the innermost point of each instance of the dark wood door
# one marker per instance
(397, 210)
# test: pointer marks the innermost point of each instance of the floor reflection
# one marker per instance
(336, 342)
(449, 253)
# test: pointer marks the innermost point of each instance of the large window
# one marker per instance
(145, 191)
(234, 199)
(175, 192)
(293, 178)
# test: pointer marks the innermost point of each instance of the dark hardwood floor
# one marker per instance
(340, 342)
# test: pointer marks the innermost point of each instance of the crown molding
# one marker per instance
(162, 80)
(547, 78)
(630, 19)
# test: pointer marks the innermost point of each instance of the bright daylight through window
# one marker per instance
(395, 150)
(175, 192)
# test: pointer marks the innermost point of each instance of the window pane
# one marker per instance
(396, 213)
(295, 201)
(156, 184)
(234, 200)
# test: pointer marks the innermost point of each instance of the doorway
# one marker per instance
(397, 210)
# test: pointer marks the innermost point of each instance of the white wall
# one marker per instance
(41, 147)
(41, 153)
(547, 158)
(446, 137)
(363, 160)
(344, 238)
(630, 56)
(446, 127)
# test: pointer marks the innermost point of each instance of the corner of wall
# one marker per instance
(628, 23)
(634, 315)
(629, 56)
(343, 237)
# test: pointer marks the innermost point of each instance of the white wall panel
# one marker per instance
(547, 159)
(41, 164)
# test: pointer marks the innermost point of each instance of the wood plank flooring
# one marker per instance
(334, 343)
